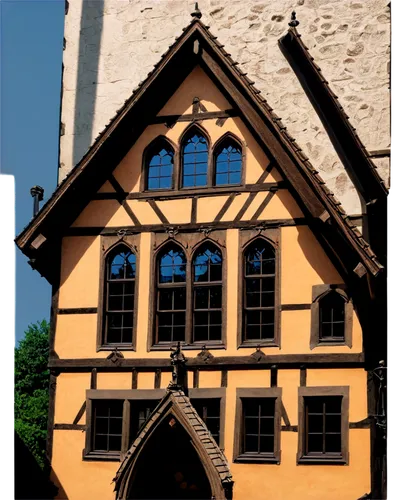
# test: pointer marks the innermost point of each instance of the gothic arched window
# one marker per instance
(171, 295)
(119, 295)
(194, 159)
(332, 317)
(159, 165)
(228, 163)
(207, 293)
(259, 292)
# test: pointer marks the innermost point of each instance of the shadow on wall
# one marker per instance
(31, 482)
(90, 33)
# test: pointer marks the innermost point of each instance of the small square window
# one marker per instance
(323, 425)
(258, 423)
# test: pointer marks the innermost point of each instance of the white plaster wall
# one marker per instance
(111, 45)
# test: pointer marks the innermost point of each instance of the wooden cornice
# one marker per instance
(214, 363)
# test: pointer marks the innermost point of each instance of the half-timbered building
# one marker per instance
(214, 310)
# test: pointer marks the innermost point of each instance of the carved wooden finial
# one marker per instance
(196, 14)
(293, 21)
(179, 371)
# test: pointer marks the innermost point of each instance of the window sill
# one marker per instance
(322, 460)
(250, 458)
(187, 347)
(119, 347)
(261, 343)
(103, 457)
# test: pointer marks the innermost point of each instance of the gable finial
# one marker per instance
(179, 371)
(293, 21)
(196, 14)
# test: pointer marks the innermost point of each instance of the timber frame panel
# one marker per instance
(318, 292)
(107, 244)
(343, 391)
(189, 244)
(243, 393)
(246, 237)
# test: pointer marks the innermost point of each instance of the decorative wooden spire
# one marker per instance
(196, 14)
(293, 21)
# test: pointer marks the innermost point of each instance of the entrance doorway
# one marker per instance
(169, 467)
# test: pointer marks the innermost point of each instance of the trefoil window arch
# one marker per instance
(119, 295)
(228, 162)
(159, 165)
(194, 154)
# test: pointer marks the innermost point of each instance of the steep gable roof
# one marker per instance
(176, 403)
(343, 135)
(196, 46)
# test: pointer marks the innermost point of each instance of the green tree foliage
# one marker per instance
(32, 389)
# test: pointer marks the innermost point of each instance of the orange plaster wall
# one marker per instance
(208, 208)
(197, 84)
(209, 379)
(303, 264)
(356, 379)
(70, 395)
(122, 380)
(76, 336)
(80, 268)
(70, 472)
(146, 380)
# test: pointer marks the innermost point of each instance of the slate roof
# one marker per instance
(184, 408)
(333, 206)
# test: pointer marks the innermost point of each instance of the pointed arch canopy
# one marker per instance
(175, 409)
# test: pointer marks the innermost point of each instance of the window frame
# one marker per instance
(331, 459)
(144, 171)
(128, 396)
(107, 245)
(257, 393)
(189, 242)
(318, 292)
(190, 130)
(172, 286)
(226, 137)
(217, 393)
(207, 284)
(246, 238)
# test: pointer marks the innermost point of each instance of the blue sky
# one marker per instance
(31, 39)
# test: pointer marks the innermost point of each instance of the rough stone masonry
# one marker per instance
(111, 45)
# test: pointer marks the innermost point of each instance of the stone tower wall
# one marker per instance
(111, 45)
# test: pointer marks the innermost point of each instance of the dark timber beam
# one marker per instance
(278, 361)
